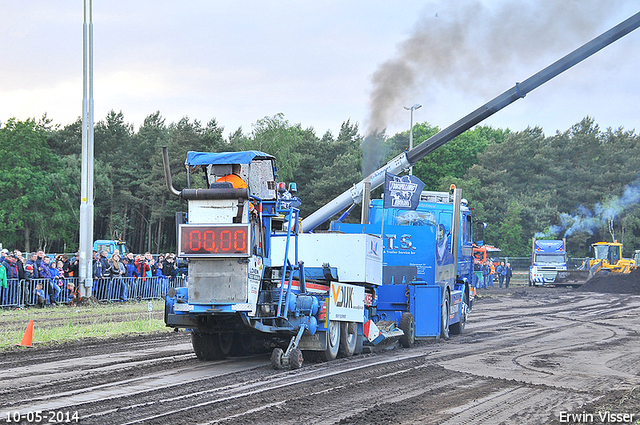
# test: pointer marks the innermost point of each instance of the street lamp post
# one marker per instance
(413, 108)
(85, 262)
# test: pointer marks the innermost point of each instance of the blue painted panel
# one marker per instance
(392, 297)
(425, 307)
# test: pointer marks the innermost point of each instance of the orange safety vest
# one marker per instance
(235, 180)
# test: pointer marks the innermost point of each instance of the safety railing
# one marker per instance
(51, 291)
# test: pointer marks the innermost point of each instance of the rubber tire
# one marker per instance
(458, 328)
(348, 340)
(211, 346)
(242, 344)
(276, 358)
(333, 342)
(226, 343)
(444, 316)
(408, 326)
(295, 358)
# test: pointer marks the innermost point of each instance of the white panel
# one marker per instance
(358, 257)
(212, 210)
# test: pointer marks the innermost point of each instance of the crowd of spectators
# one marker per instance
(52, 279)
(119, 278)
(486, 273)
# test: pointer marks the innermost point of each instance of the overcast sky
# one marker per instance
(319, 63)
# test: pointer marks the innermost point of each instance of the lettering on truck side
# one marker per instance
(344, 297)
(346, 302)
(405, 242)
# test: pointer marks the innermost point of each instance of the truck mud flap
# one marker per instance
(384, 332)
(180, 321)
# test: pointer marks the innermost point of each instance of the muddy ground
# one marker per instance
(528, 356)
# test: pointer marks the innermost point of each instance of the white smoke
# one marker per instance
(588, 221)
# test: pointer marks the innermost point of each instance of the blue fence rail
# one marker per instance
(41, 292)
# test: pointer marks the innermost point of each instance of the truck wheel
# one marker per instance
(242, 344)
(226, 342)
(211, 346)
(444, 317)
(276, 358)
(348, 338)
(458, 328)
(333, 342)
(408, 326)
(295, 358)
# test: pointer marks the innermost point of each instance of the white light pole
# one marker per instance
(413, 108)
(85, 262)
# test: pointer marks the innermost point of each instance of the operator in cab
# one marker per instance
(234, 178)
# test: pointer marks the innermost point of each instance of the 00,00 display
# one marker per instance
(213, 240)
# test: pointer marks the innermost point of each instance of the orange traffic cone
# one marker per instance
(28, 335)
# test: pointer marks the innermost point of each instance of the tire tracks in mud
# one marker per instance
(435, 382)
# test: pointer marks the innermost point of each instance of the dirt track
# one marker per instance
(527, 356)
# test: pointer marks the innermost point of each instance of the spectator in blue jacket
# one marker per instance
(162, 285)
(130, 289)
(501, 272)
(486, 273)
(39, 296)
(100, 274)
(44, 271)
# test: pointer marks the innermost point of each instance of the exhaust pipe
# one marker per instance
(365, 201)
(167, 172)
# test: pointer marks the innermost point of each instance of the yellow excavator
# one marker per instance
(606, 258)
(608, 255)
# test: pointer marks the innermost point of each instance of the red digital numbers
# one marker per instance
(213, 240)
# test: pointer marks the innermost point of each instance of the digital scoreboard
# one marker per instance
(213, 240)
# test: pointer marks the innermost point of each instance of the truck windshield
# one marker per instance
(549, 258)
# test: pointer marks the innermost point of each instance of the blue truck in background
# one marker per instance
(111, 246)
(548, 262)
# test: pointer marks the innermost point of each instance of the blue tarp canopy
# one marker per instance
(206, 158)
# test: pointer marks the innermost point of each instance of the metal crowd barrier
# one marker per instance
(24, 293)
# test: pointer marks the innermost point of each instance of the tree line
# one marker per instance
(519, 183)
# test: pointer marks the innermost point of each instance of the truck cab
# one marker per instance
(548, 261)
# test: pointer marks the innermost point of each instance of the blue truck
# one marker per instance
(548, 261)
(427, 264)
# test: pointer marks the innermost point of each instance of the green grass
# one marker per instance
(64, 323)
